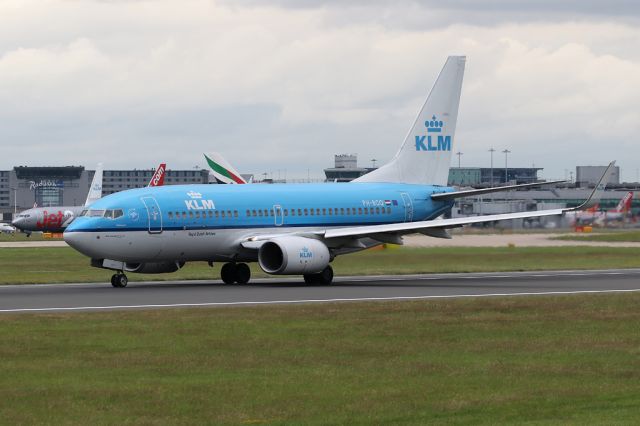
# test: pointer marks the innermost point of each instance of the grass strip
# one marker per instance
(46, 264)
(566, 359)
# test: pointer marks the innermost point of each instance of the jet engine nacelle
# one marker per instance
(293, 255)
(153, 268)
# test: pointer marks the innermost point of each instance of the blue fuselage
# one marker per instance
(209, 222)
(196, 207)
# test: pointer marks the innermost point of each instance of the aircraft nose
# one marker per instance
(80, 241)
(17, 221)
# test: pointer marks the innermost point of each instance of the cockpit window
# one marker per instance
(113, 214)
(84, 213)
(95, 213)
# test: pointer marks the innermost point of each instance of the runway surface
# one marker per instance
(150, 295)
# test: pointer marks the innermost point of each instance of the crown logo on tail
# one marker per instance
(433, 125)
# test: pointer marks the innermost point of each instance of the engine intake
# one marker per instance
(293, 255)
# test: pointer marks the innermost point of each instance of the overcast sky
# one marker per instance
(287, 84)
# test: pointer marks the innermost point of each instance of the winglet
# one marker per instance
(597, 191)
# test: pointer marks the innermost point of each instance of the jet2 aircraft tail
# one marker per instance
(625, 203)
(158, 177)
(425, 155)
(95, 192)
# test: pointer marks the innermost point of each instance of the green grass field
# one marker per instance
(614, 237)
(18, 236)
(570, 360)
(46, 265)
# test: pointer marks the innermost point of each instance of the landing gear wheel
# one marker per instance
(243, 273)
(119, 280)
(228, 273)
(322, 278)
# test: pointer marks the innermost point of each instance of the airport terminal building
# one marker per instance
(22, 187)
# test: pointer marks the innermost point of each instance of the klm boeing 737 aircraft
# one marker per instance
(294, 228)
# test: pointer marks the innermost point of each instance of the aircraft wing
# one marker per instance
(471, 192)
(435, 227)
(411, 227)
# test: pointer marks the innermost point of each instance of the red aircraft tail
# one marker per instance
(158, 177)
(625, 204)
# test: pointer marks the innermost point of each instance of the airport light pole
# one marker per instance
(491, 150)
(506, 153)
(459, 154)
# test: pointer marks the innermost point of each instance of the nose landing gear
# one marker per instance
(235, 273)
(119, 280)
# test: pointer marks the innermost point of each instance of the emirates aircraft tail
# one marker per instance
(158, 177)
(222, 170)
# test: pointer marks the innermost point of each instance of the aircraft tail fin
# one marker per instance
(95, 191)
(625, 204)
(158, 177)
(222, 170)
(425, 154)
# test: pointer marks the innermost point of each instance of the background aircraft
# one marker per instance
(5, 228)
(56, 219)
(594, 216)
(291, 229)
(223, 172)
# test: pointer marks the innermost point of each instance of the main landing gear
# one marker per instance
(119, 280)
(232, 273)
(321, 278)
